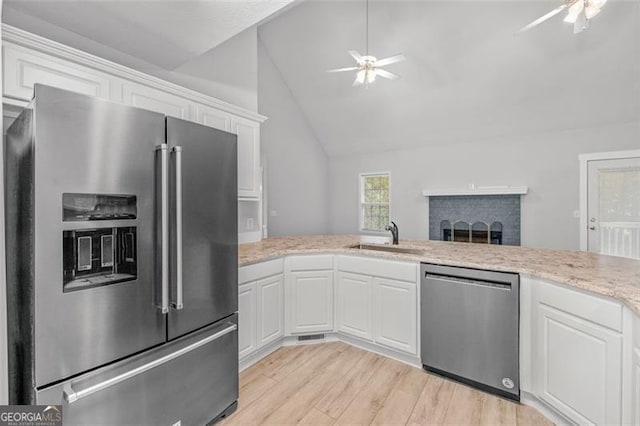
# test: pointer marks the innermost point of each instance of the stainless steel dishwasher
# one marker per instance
(469, 327)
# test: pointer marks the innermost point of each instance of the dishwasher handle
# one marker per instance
(469, 281)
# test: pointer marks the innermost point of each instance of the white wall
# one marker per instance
(547, 163)
(297, 165)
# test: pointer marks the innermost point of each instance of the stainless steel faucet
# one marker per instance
(394, 232)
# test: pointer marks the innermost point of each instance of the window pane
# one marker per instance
(375, 196)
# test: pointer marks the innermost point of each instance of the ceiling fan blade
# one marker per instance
(355, 55)
(575, 10)
(543, 18)
(386, 74)
(582, 23)
(390, 60)
(343, 69)
(357, 82)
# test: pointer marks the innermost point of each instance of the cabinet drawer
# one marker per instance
(595, 309)
(112, 395)
(311, 263)
(403, 271)
(260, 270)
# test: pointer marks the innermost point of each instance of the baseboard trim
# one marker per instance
(546, 410)
(249, 360)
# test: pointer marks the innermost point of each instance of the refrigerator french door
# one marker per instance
(121, 254)
(204, 236)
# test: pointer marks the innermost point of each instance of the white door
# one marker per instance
(613, 205)
(395, 314)
(270, 309)
(578, 367)
(311, 307)
(248, 156)
(247, 342)
(354, 303)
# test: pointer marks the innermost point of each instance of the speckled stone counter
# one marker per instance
(610, 276)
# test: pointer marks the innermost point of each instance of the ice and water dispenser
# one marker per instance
(102, 254)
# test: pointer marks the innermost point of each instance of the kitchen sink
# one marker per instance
(387, 248)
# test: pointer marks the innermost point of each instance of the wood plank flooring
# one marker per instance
(335, 383)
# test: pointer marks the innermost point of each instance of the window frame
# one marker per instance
(362, 203)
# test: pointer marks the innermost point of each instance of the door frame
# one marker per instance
(584, 187)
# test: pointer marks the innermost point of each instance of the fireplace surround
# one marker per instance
(486, 219)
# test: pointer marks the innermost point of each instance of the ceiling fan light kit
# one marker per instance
(580, 12)
(368, 67)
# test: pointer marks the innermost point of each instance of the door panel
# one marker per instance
(312, 301)
(270, 309)
(84, 145)
(209, 226)
(396, 314)
(247, 324)
(354, 305)
(567, 348)
(614, 207)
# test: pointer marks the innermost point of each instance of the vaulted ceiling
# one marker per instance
(467, 77)
(165, 33)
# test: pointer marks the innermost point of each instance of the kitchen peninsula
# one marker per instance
(579, 312)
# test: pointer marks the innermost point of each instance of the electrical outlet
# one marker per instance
(576, 214)
(274, 213)
(250, 223)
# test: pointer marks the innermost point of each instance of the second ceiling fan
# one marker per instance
(369, 67)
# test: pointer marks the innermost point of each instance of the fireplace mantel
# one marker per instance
(477, 190)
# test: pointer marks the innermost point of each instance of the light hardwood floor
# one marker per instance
(335, 383)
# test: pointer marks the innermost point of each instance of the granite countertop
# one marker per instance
(610, 276)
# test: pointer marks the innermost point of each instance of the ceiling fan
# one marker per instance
(369, 67)
(579, 14)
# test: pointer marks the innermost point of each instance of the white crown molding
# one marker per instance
(477, 190)
(50, 47)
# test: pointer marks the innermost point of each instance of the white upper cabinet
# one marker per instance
(354, 305)
(23, 68)
(29, 59)
(141, 96)
(249, 176)
(213, 118)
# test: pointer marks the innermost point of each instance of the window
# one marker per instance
(374, 201)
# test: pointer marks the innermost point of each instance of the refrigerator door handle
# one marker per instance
(70, 395)
(177, 151)
(164, 224)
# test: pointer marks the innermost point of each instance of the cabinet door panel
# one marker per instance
(270, 309)
(248, 156)
(24, 67)
(213, 118)
(247, 342)
(155, 100)
(312, 301)
(396, 314)
(354, 305)
(579, 367)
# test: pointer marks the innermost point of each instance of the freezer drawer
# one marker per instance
(190, 380)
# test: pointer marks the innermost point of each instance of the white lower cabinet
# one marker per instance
(270, 309)
(354, 305)
(577, 367)
(396, 318)
(247, 340)
(311, 307)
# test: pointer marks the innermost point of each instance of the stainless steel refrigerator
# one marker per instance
(121, 234)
